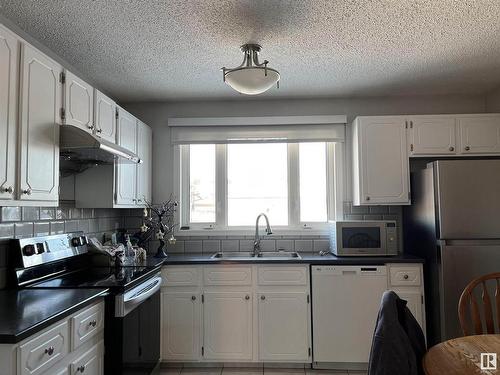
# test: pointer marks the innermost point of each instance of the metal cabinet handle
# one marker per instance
(452, 148)
(247, 297)
(27, 191)
(193, 298)
(467, 148)
(9, 190)
(262, 298)
(81, 369)
(49, 350)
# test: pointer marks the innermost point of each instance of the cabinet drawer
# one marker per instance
(42, 352)
(278, 275)
(405, 276)
(90, 362)
(87, 324)
(228, 275)
(180, 276)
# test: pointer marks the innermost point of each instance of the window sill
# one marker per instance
(277, 233)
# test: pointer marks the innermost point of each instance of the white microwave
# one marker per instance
(363, 238)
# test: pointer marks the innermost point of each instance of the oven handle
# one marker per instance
(126, 303)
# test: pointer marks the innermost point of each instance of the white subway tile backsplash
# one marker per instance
(83, 225)
(193, 246)
(7, 230)
(321, 245)
(22, 230)
(11, 214)
(268, 245)
(30, 213)
(56, 227)
(246, 245)
(230, 245)
(41, 228)
(287, 245)
(177, 248)
(71, 226)
(304, 245)
(211, 246)
(47, 213)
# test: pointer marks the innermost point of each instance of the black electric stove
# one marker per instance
(132, 307)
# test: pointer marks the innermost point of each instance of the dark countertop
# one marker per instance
(307, 258)
(27, 311)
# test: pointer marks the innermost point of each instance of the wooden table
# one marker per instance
(462, 356)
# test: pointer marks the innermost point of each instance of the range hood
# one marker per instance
(80, 150)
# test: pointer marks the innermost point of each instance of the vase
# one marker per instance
(160, 253)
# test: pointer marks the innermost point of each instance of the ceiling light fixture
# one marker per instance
(251, 77)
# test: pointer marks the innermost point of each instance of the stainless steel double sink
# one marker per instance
(244, 255)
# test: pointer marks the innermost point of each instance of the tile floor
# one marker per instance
(253, 371)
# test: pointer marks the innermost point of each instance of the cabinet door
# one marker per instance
(432, 135)
(105, 117)
(413, 300)
(40, 106)
(383, 161)
(144, 170)
(283, 327)
(181, 330)
(78, 103)
(9, 63)
(126, 172)
(228, 325)
(480, 135)
(91, 362)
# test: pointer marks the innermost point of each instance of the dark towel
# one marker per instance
(398, 344)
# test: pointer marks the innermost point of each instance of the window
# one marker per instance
(225, 186)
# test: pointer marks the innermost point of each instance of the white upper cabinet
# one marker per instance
(105, 117)
(78, 103)
(144, 169)
(39, 119)
(479, 134)
(380, 161)
(9, 63)
(432, 135)
(126, 172)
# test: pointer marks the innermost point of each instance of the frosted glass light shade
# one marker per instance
(252, 80)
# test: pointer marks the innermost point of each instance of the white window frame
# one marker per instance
(335, 183)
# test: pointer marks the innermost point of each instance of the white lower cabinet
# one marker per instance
(181, 331)
(50, 351)
(231, 314)
(227, 321)
(283, 326)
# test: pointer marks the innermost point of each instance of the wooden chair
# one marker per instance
(468, 303)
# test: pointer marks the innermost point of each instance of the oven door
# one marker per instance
(133, 333)
(361, 239)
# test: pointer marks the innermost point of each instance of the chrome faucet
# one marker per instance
(256, 242)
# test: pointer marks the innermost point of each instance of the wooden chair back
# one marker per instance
(469, 304)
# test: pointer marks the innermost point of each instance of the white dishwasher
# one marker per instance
(345, 304)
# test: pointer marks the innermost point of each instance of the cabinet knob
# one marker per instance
(467, 148)
(405, 277)
(81, 369)
(367, 198)
(91, 127)
(92, 323)
(9, 190)
(99, 131)
(193, 298)
(49, 350)
(247, 297)
(452, 148)
(27, 191)
(262, 298)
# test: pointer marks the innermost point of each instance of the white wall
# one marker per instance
(157, 114)
(493, 101)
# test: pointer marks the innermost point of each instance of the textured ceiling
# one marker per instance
(168, 50)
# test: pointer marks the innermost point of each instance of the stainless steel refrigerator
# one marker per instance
(454, 223)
